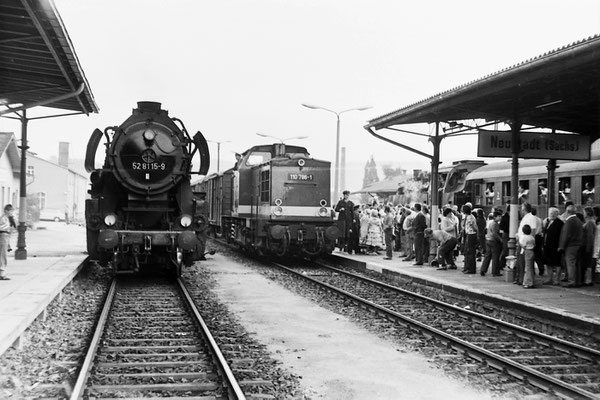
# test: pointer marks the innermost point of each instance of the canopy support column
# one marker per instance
(21, 251)
(514, 195)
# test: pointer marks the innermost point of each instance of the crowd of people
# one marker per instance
(564, 247)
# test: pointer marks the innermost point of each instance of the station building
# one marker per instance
(56, 190)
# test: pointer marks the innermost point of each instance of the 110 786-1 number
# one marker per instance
(148, 166)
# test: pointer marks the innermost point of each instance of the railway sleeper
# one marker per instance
(161, 387)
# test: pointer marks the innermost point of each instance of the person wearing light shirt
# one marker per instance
(4, 240)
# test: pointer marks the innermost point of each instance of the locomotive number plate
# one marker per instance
(148, 166)
(300, 177)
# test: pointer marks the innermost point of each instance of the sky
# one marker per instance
(235, 68)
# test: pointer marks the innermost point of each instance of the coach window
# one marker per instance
(477, 188)
(589, 190)
(543, 191)
(506, 193)
(564, 190)
(489, 193)
(264, 185)
(523, 192)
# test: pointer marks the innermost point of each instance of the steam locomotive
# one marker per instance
(274, 201)
(142, 211)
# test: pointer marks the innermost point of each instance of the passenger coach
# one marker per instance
(490, 185)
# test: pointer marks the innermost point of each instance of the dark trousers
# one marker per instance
(538, 253)
(504, 252)
(446, 252)
(492, 253)
(419, 245)
(470, 264)
(389, 238)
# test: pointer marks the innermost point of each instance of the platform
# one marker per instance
(575, 306)
(55, 253)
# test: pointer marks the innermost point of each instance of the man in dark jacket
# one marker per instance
(504, 226)
(419, 226)
(571, 239)
(345, 210)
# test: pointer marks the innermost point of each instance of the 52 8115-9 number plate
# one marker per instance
(300, 177)
(143, 166)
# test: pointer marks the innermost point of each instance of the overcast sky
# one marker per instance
(234, 68)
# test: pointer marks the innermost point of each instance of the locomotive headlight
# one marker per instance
(185, 220)
(278, 211)
(278, 202)
(323, 202)
(323, 212)
(301, 162)
(110, 219)
(149, 134)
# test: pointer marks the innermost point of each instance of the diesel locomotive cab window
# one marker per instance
(265, 185)
(258, 158)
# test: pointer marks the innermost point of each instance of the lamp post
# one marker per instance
(281, 140)
(336, 190)
(218, 152)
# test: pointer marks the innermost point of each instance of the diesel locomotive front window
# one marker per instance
(257, 158)
(265, 185)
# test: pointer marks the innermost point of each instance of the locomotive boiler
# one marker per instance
(142, 211)
(274, 201)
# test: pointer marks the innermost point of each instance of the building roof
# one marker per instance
(556, 90)
(8, 146)
(37, 59)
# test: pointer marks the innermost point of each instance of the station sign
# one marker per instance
(534, 145)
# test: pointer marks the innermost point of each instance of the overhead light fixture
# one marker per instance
(552, 103)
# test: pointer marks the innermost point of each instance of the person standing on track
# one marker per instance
(4, 239)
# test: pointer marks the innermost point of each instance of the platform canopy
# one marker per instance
(38, 64)
(557, 90)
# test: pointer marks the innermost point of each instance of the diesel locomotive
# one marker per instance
(142, 211)
(274, 201)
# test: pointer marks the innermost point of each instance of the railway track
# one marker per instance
(151, 341)
(556, 366)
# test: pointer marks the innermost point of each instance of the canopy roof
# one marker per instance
(37, 59)
(557, 90)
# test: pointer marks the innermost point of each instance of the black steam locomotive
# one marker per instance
(274, 201)
(142, 212)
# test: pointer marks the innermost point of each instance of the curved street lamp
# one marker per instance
(281, 140)
(336, 191)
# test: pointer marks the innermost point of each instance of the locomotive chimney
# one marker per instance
(148, 106)
(63, 154)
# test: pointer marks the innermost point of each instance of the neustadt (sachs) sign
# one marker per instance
(534, 145)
